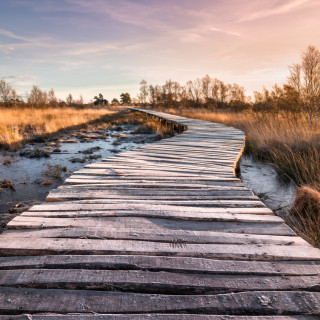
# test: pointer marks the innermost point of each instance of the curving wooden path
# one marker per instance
(165, 231)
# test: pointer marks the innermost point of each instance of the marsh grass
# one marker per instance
(306, 214)
(55, 171)
(291, 146)
(145, 124)
(7, 184)
(18, 125)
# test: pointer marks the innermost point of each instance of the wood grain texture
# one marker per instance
(152, 316)
(163, 263)
(25, 300)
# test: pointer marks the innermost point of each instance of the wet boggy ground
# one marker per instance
(39, 167)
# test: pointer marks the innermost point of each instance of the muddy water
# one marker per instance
(27, 174)
(264, 181)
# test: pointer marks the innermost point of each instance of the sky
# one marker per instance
(108, 46)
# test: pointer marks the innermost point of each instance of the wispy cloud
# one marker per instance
(231, 33)
(19, 80)
(12, 35)
(281, 7)
(18, 77)
(60, 47)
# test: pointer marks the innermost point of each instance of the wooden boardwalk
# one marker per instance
(164, 232)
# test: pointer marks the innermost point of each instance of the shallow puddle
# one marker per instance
(264, 181)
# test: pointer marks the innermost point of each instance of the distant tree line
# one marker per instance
(125, 99)
(38, 98)
(205, 92)
(299, 96)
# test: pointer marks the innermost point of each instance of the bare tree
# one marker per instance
(144, 92)
(52, 99)
(80, 101)
(69, 99)
(305, 79)
(206, 88)
(37, 98)
(7, 94)
(152, 95)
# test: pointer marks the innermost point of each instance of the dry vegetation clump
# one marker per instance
(7, 184)
(156, 126)
(144, 123)
(45, 182)
(55, 171)
(306, 210)
(17, 125)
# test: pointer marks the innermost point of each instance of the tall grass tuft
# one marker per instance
(306, 213)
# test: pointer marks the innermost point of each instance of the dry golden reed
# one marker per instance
(306, 211)
(17, 125)
(292, 146)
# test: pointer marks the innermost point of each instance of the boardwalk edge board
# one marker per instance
(166, 232)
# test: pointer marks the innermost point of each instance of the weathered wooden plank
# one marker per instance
(146, 170)
(155, 224)
(78, 193)
(226, 156)
(196, 216)
(183, 150)
(145, 175)
(168, 174)
(75, 301)
(63, 196)
(188, 149)
(159, 263)
(37, 246)
(177, 153)
(152, 316)
(133, 173)
(180, 161)
(110, 189)
(176, 236)
(152, 184)
(93, 206)
(215, 164)
(160, 282)
(99, 203)
(115, 165)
